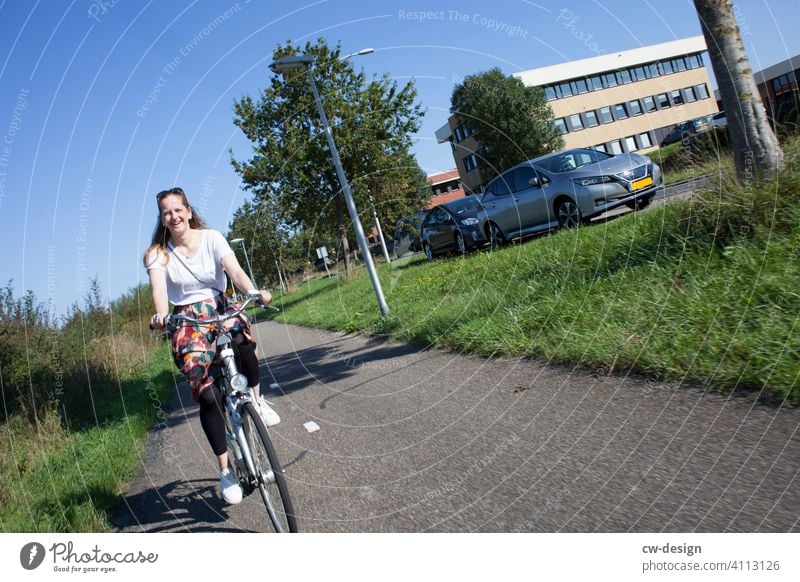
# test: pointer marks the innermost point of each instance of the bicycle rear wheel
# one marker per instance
(270, 480)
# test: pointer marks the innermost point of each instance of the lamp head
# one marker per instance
(292, 63)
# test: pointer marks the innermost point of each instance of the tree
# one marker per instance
(291, 167)
(512, 122)
(266, 239)
(755, 147)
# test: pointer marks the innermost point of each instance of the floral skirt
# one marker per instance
(193, 346)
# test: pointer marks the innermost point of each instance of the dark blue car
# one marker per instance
(453, 227)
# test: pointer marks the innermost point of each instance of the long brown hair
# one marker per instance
(161, 234)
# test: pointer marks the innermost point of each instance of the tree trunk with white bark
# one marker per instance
(755, 148)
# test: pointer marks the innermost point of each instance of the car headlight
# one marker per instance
(592, 180)
(469, 221)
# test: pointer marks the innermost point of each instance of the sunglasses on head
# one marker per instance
(163, 193)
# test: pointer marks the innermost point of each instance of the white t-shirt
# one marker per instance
(182, 287)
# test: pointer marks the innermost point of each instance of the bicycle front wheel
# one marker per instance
(269, 476)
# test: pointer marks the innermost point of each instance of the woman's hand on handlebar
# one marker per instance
(262, 295)
(157, 321)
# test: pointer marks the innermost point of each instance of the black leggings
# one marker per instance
(212, 405)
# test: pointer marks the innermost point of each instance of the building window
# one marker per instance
(578, 86)
(462, 132)
(639, 73)
(701, 91)
(566, 91)
(635, 107)
(575, 123)
(601, 147)
(784, 83)
(605, 115)
(678, 65)
(664, 68)
(616, 146)
(645, 141)
(652, 69)
(596, 82)
(663, 100)
(688, 95)
(649, 104)
(693, 62)
(630, 144)
(560, 125)
(609, 80)
(623, 77)
(677, 98)
(620, 112)
(470, 162)
(591, 118)
(550, 93)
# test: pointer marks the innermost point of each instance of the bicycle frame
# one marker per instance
(235, 398)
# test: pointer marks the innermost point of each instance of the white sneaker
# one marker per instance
(229, 484)
(268, 415)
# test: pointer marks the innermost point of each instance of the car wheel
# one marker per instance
(569, 215)
(496, 236)
(460, 245)
(428, 251)
(639, 204)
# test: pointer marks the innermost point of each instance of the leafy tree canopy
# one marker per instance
(512, 122)
(291, 174)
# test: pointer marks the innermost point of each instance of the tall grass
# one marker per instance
(57, 479)
(704, 291)
(79, 397)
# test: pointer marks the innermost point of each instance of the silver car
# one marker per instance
(565, 189)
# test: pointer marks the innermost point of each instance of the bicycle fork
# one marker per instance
(242, 446)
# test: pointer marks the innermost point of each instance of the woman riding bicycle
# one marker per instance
(186, 263)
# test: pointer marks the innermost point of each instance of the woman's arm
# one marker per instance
(240, 278)
(158, 284)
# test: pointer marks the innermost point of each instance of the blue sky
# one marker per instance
(104, 103)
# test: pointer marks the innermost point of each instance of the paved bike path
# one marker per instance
(414, 439)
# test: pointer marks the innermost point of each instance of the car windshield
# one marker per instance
(463, 205)
(569, 160)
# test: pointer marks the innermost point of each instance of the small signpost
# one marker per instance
(322, 253)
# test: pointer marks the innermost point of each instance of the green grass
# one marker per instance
(57, 480)
(703, 291)
(706, 154)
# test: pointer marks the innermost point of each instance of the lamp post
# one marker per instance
(247, 260)
(306, 62)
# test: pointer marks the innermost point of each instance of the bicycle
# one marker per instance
(250, 451)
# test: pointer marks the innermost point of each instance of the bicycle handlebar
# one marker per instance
(171, 321)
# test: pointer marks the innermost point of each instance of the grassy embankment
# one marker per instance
(702, 290)
(698, 155)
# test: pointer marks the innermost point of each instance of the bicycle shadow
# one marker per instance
(180, 506)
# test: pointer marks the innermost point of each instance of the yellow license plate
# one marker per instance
(639, 184)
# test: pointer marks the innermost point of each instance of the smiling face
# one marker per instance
(175, 213)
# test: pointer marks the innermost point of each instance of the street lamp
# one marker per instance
(247, 260)
(306, 62)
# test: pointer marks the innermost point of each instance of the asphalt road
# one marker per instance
(414, 439)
